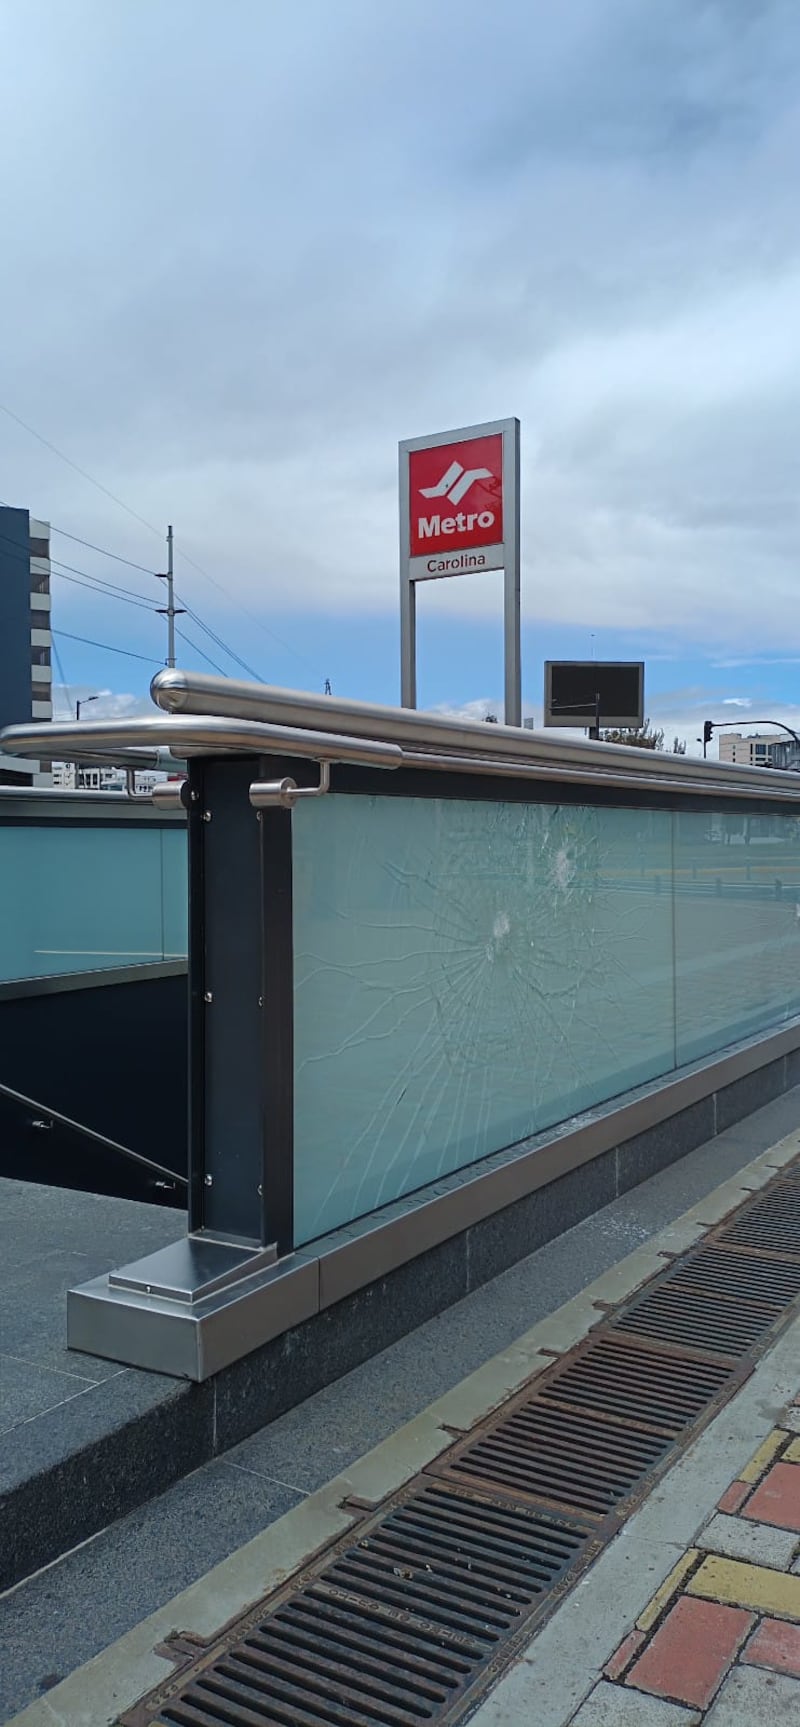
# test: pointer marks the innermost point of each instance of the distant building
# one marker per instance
(754, 751)
(70, 776)
(26, 678)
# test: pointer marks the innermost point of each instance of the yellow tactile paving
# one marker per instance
(669, 1587)
(739, 1585)
(792, 1452)
(762, 1458)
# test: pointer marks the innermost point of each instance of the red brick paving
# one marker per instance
(777, 1498)
(692, 1651)
(775, 1644)
(629, 1647)
(733, 1497)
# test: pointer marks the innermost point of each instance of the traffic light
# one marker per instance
(708, 727)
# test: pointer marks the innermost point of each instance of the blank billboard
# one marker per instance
(577, 691)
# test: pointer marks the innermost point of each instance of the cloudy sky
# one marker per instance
(248, 246)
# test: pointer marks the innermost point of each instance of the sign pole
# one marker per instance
(408, 642)
(408, 597)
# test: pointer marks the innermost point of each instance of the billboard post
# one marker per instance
(459, 512)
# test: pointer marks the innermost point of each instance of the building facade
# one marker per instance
(753, 751)
(26, 677)
(72, 776)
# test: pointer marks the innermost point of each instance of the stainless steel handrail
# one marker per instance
(431, 745)
(433, 737)
(43, 1109)
(214, 735)
(430, 737)
(566, 772)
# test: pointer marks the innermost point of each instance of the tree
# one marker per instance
(644, 737)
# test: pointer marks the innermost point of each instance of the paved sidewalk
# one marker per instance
(718, 1642)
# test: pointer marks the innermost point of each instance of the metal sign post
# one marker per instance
(459, 512)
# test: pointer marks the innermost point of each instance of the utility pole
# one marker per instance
(170, 611)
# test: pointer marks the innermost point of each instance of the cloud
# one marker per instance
(287, 237)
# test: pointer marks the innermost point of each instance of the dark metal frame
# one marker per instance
(415, 782)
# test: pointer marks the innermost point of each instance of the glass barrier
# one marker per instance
(737, 927)
(88, 898)
(470, 973)
(466, 974)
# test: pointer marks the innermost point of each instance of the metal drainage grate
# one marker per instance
(679, 1313)
(586, 1462)
(771, 1222)
(741, 1273)
(642, 1383)
(393, 1628)
(401, 1622)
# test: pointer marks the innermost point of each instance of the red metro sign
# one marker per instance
(459, 512)
(455, 504)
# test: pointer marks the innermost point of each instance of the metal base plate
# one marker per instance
(193, 1307)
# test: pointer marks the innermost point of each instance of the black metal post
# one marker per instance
(228, 1104)
(277, 1029)
(241, 965)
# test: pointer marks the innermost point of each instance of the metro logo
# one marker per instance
(456, 482)
(472, 472)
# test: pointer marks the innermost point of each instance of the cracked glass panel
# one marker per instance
(737, 927)
(466, 974)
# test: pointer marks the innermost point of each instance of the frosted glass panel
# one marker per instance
(737, 927)
(175, 892)
(82, 899)
(466, 973)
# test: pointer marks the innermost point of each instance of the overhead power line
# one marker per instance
(104, 593)
(251, 616)
(218, 640)
(108, 647)
(76, 468)
(113, 588)
(104, 551)
(62, 674)
(214, 580)
(197, 650)
(103, 588)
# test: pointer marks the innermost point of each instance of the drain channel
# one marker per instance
(569, 1457)
(407, 1618)
(393, 1631)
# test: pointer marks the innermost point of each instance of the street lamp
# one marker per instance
(78, 705)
